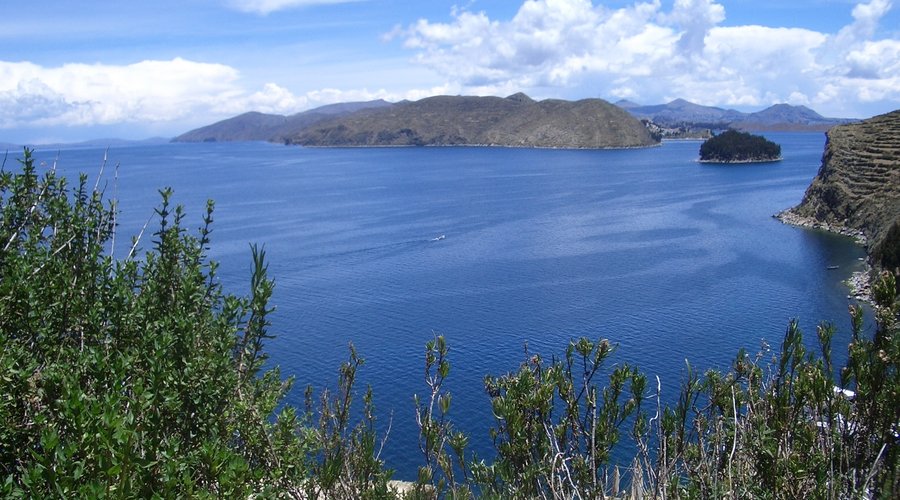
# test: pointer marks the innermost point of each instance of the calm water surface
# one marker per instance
(498, 249)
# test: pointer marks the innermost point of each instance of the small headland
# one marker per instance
(856, 193)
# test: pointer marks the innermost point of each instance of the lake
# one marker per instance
(497, 249)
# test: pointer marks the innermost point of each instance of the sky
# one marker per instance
(79, 70)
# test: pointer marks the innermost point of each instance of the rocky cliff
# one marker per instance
(857, 189)
(516, 120)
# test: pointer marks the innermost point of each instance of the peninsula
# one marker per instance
(857, 189)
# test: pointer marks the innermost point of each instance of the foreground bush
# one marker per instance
(785, 428)
(139, 377)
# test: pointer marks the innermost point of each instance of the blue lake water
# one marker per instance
(669, 258)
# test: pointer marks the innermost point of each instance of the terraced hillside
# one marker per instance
(858, 186)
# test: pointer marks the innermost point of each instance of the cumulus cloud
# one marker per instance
(268, 6)
(147, 91)
(548, 43)
(155, 94)
(31, 100)
(694, 18)
(646, 52)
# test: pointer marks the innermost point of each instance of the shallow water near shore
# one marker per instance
(496, 249)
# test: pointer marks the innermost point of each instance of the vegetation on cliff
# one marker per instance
(140, 377)
(732, 146)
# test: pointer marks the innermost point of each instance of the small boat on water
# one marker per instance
(832, 268)
(439, 238)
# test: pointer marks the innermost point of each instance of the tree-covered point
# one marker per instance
(732, 146)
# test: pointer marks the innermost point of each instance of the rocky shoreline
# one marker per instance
(791, 217)
(860, 282)
(740, 162)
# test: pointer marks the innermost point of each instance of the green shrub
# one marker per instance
(135, 377)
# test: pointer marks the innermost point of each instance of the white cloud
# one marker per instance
(647, 53)
(695, 18)
(644, 52)
(547, 43)
(146, 92)
(172, 95)
(867, 15)
(875, 60)
(268, 6)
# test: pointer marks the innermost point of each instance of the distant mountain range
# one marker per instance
(779, 117)
(516, 120)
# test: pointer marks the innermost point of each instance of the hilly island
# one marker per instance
(514, 121)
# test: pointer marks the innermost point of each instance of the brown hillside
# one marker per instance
(516, 120)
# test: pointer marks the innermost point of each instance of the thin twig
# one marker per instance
(871, 473)
(734, 442)
(115, 200)
(64, 245)
(15, 234)
(102, 166)
(138, 239)
(385, 438)
(663, 475)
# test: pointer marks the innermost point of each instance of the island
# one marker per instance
(513, 121)
(732, 146)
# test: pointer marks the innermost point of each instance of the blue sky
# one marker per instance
(88, 69)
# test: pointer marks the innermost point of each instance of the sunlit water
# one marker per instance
(497, 249)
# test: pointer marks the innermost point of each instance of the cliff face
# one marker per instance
(858, 186)
(516, 120)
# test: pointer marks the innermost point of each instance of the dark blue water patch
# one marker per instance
(499, 249)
